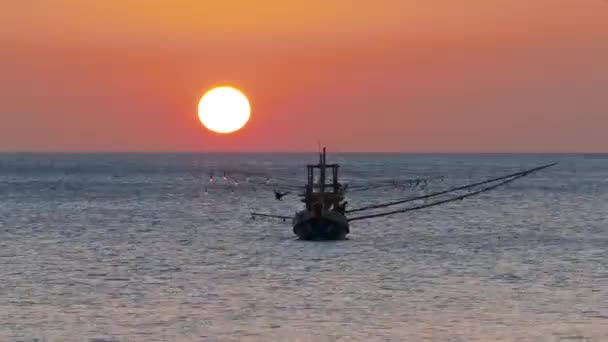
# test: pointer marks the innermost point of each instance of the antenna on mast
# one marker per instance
(319, 151)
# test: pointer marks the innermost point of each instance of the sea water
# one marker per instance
(149, 247)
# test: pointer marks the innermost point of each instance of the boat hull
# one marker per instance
(328, 226)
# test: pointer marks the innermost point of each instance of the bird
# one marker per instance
(342, 207)
(279, 195)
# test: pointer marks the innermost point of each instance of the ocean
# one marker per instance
(144, 247)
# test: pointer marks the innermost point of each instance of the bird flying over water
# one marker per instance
(279, 195)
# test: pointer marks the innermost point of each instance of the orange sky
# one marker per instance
(382, 75)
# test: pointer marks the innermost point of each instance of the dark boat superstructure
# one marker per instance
(323, 217)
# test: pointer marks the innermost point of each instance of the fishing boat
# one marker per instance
(325, 217)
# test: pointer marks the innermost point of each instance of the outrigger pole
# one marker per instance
(464, 187)
(284, 218)
(505, 180)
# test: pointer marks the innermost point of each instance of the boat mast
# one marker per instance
(322, 175)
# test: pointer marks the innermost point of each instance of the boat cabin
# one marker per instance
(323, 189)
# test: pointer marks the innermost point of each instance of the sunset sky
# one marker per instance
(382, 75)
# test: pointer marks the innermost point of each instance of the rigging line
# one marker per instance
(379, 185)
(271, 216)
(393, 180)
(385, 186)
(423, 206)
(464, 187)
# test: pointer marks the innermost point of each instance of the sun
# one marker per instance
(224, 109)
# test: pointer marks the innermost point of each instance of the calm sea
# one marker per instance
(142, 247)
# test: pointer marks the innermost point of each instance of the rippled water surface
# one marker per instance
(131, 247)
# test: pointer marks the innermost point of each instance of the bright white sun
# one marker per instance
(224, 109)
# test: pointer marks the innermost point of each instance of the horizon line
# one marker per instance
(316, 152)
